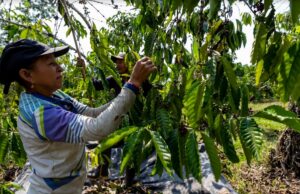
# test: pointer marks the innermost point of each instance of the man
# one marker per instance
(122, 68)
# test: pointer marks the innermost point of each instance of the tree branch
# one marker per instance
(43, 32)
(80, 14)
(70, 22)
(248, 5)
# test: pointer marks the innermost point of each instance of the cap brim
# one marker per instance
(57, 51)
(114, 58)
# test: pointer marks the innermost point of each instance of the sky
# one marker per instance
(106, 9)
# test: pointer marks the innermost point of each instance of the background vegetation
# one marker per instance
(200, 93)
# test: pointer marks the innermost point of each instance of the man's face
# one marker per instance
(121, 67)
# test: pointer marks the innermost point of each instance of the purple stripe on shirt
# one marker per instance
(56, 121)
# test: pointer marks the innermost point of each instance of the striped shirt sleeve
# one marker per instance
(53, 123)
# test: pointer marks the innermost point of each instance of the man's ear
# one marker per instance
(25, 74)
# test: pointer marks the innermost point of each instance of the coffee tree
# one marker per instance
(198, 92)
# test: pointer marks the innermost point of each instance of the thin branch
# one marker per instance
(10, 4)
(224, 10)
(63, 2)
(96, 10)
(43, 32)
(80, 14)
(115, 6)
(249, 6)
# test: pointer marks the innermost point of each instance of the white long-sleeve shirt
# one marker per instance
(54, 132)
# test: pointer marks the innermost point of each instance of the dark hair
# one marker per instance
(19, 79)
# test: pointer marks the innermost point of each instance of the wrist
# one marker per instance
(132, 87)
(135, 83)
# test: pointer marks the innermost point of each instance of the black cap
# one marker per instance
(119, 56)
(21, 54)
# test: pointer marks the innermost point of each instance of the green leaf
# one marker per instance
(295, 10)
(192, 156)
(230, 73)
(234, 96)
(246, 18)
(245, 101)
(267, 4)
(259, 70)
(116, 137)
(17, 150)
(189, 5)
(129, 149)
(176, 4)
(193, 101)
(176, 153)
(158, 168)
(280, 52)
(68, 32)
(251, 138)
(259, 45)
(4, 142)
(24, 33)
(214, 8)
(293, 81)
(213, 156)
(217, 127)
(279, 114)
(164, 121)
(233, 127)
(149, 43)
(196, 49)
(162, 151)
(182, 138)
(228, 146)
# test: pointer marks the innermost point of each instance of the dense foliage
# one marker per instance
(199, 91)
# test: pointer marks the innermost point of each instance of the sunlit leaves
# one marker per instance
(259, 70)
(279, 114)
(247, 19)
(115, 137)
(259, 45)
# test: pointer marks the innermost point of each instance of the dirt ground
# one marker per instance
(262, 179)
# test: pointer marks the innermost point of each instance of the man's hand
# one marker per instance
(141, 71)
